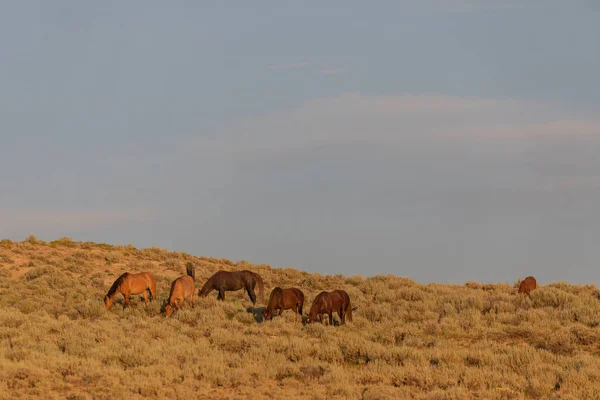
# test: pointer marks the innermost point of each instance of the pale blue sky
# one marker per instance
(443, 140)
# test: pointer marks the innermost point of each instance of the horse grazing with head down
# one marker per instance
(181, 288)
(129, 284)
(328, 303)
(527, 285)
(284, 299)
(230, 281)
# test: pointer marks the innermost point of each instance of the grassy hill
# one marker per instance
(407, 340)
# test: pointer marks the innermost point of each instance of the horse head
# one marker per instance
(169, 310)
(268, 315)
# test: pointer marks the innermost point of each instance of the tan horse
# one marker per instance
(527, 285)
(129, 284)
(284, 299)
(181, 288)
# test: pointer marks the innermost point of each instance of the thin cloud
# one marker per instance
(482, 5)
(574, 129)
(300, 65)
(332, 71)
(21, 221)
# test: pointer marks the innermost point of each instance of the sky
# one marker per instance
(441, 140)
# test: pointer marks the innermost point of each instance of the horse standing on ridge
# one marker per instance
(129, 284)
(527, 286)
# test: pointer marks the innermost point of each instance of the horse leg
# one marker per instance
(331, 318)
(251, 294)
(221, 295)
(153, 290)
(192, 300)
(146, 297)
(125, 299)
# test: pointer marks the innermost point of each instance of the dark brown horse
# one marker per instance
(330, 302)
(527, 285)
(230, 281)
(181, 288)
(284, 299)
(129, 284)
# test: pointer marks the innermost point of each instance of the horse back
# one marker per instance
(182, 286)
(138, 282)
(291, 296)
(298, 293)
(344, 296)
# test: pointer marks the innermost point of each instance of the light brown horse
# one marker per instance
(527, 285)
(224, 281)
(284, 299)
(129, 284)
(330, 302)
(181, 288)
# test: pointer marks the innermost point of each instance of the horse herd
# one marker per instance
(182, 288)
(326, 303)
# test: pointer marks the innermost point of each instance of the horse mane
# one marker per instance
(191, 271)
(170, 292)
(116, 284)
(277, 290)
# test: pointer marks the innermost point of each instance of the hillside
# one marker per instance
(407, 340)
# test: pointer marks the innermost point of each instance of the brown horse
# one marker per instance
(328, 303)
(230, 281)
(129, 284)
(284, 299)
(527, 285)
(181, 288)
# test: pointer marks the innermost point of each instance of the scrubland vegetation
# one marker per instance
(407, 340)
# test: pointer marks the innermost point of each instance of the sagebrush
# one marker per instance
(406, 340)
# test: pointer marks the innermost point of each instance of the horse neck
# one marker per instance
(208, 286)
(316, 308)
(110, 295)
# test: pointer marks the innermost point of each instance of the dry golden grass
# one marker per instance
(407, 340)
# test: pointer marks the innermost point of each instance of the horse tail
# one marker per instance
(349, 311)
(300, 296)
(191, 271)
(152, 286)
(115, 286)
(261, 287)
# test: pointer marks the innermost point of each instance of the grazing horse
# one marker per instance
(328, 303)
(223, 281)
(284, 299)
(527, 285)
(129, 284)
(181, 288)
